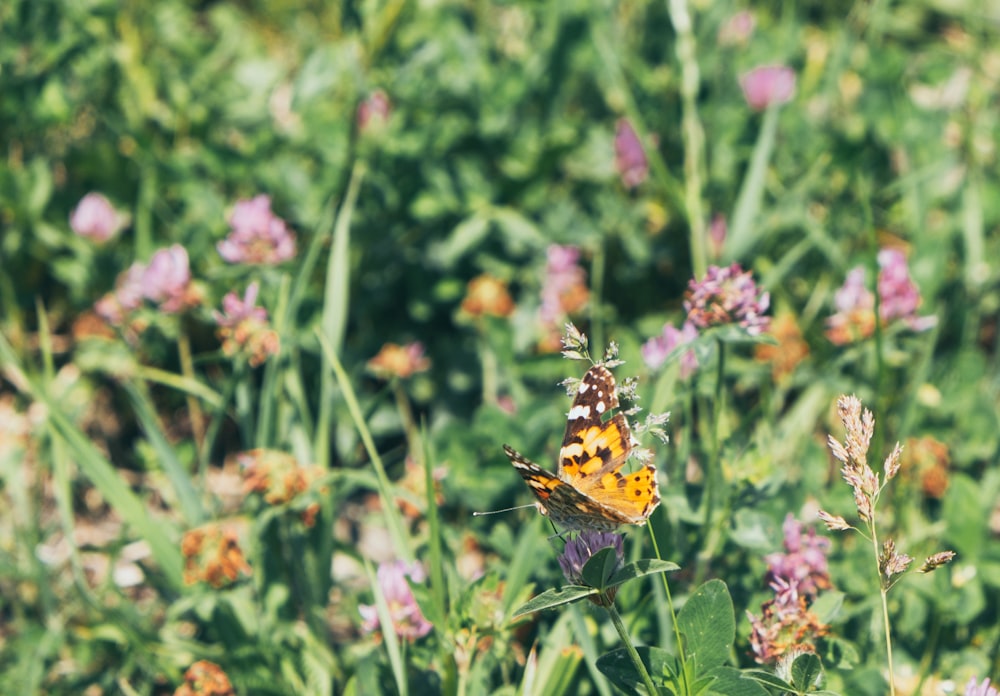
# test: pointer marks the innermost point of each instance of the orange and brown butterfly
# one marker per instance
(591, 491)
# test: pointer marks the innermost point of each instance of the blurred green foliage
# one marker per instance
(499, 143)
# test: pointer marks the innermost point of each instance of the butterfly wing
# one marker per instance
(594, 451)
(561, 502)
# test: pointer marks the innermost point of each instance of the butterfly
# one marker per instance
(591, 491)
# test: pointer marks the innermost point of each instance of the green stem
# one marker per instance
(670, 605)
(884, 591)
(693, 133)
(194, 407)
(616, 619)
(416, 449)
(713, 474)
(491, 389)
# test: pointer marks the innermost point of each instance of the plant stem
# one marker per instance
(194, 408)
(884, 591)
(693, 133)
(682, 672)
(713, 471)
(616, 619)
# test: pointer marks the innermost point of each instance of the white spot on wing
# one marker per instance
(579, 411)
(600, 407)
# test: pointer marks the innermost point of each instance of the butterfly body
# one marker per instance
(591, 490)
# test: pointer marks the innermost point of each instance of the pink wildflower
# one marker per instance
(804, 561)
(165, 281)
(655, 350)
(630, 158)
(974, 688)
(786, 625)
(95, 218)
(564, 291)
(727, 296)
(258, 236)
(244, 329)
(767, 85)
(899, 299)
(407, 620)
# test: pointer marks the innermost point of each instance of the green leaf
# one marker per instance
(618, 667)
(807, 672)
(641, 568)
(708, 624)
(599, 568)
(553, 598)
(827, 606)
(728, 681)
(771, 680)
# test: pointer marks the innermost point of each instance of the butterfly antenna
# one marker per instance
(510, 509)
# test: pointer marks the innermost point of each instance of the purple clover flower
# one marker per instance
(95, 218)
(630, 158)
(803, 564)
(655, 350)
(727, 296)
(767, 85)
(974, 688)
(236, 309)
(899, 297)
(899, 300)
(407, 620)
(786, 625)
(258, 236)
(165, 281)
(244, 329)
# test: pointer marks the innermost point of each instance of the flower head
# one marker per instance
(898, 296)
(655, 350)
(167, 279)
(258, 236)
(767, 85)
(278, 478)
(205, 678)
(564, 291)
(487, 296)
(212, 555)
(785, 626)
(244, 328)
(975, 688)
(394, 360)
(803, 564)
(727, 296)
(630, 158)
(95, 218)
(408, 621)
